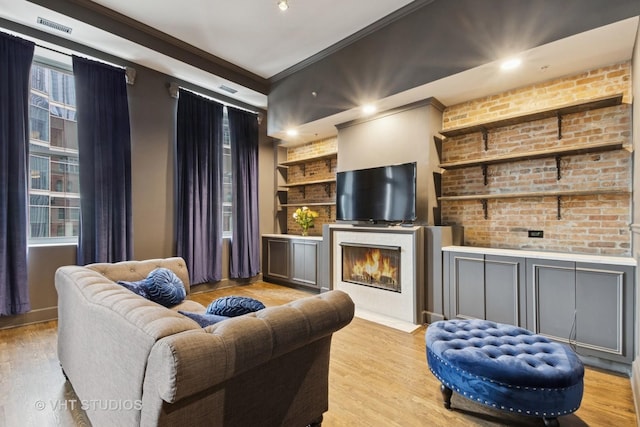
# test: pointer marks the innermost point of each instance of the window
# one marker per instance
(54, 192)
(227, 191)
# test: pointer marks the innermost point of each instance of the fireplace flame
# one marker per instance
(376, 267)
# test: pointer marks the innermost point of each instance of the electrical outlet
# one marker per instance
(538, 234)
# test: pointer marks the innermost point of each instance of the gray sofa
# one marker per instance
(134, 362)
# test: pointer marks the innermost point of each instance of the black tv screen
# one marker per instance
(381, 194)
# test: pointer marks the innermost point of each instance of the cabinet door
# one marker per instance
(504, 284)
(467, 285)
(603, 309)
(551, 295)
(278, 258)
(304, 260)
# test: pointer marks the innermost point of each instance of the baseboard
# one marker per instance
(430, 317)
(34, 316)
(224, 283)
(635, 386)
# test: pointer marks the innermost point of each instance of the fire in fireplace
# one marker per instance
(371, 265)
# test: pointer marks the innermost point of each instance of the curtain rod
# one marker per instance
(173, 91)
(53, 50)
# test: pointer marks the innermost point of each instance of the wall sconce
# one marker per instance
(283, 5)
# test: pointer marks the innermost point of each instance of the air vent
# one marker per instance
(228, 89)
(54, 25)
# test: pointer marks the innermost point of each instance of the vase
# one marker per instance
(304, 232)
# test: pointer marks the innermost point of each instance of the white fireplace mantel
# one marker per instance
(402, 310)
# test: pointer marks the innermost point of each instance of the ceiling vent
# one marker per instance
(228, 89)
(54, 25)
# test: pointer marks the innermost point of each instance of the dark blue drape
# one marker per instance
(199, 186)
(244, 259)
(15, 65)
(104, 151)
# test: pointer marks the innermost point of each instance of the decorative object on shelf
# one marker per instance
(304, 218)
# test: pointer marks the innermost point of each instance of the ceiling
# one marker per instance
(264, 42)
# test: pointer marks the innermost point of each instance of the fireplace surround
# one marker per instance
(382, 270)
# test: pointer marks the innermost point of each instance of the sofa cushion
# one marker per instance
(203, 319)
(164, 287)
(234, 306)
(135, 287)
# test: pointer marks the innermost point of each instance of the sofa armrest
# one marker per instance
(187, 363)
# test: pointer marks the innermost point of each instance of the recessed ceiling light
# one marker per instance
(510, 64)
(369, 109)
(292, 132)
(283, 5)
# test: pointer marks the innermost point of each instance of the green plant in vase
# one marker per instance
(304, 218)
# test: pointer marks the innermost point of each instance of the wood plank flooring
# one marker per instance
(379, 377)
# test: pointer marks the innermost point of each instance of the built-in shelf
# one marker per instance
(288, 205)
(558, 112)
(307, 160)
(300, 184)
(552, 152)
(559, 193)
(575, 107)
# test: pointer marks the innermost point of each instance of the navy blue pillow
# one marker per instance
(135, 287)
(203, 320)
(164, 287)
(234, 306)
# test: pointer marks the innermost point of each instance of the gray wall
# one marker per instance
(397, 136)
(152, 112)
(635, 227)
(439, 39)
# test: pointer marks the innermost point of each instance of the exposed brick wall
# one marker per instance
(611, 80)
(316, 193)
(594, 224)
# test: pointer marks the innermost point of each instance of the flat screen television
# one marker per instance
(385, 194)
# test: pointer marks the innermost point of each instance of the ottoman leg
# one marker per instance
(551, 422)
(446, 395)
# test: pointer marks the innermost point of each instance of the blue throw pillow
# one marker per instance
(164, 287)
(135, 287)
(234, 306)
(203, 320)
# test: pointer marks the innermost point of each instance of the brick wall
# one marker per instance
(316, 193)
(594, 224)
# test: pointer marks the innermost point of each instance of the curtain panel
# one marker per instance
(104, 151)
(16, 56)
(199, 186)
(244, 257)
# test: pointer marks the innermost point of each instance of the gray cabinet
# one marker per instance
(276, 255)
(290, 260)
(305, 259)
(486, 287)
(585, 304)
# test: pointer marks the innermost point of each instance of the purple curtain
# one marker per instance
(16, 56)
(104, 151)
(244, 259)
(199, 186)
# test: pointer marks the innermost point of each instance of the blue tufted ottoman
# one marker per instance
(505, 367)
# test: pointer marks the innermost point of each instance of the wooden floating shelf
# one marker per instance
(288, 205)
(300, 184)
(572, 108)
(536, 194)
(513, 157)
(308, 159)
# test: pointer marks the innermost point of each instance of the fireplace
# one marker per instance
(381, 270)
(377, 266)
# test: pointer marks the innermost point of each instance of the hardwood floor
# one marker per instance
(379, 377)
